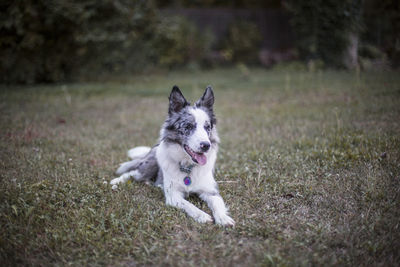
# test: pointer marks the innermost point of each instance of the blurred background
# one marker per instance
(44, 41)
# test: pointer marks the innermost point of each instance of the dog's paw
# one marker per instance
(124, 178)
(224, 220)
(203, 217)
(117, 181)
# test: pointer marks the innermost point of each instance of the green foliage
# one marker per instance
(47, 41)
(178, 41)
(371, 57)
(322, 28)
(243, 42)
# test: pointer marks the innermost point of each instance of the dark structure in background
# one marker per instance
(273, 24)
(276, 39)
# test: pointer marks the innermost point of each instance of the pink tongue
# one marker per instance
(201, 158)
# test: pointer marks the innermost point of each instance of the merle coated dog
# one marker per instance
(183, 161)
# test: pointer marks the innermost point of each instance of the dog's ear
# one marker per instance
(176, 101)
(207, 100)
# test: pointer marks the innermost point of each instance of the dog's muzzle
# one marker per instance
(197, 157)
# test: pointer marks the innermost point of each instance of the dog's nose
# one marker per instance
(204, 146)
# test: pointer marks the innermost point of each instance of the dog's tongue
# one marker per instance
(201, 158)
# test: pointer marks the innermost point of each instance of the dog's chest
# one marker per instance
(188, 180)
(188, 173)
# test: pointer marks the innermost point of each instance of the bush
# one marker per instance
(323, 28)
(243, 42)
(49, 41)
(371, 57)
(371, 52)
(381, 18)
(178, 42)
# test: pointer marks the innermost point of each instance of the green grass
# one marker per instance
(309, 166)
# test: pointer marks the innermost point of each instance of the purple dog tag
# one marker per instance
(187, 180)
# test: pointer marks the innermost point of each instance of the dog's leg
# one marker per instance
(126, 177)
(219, 210)
(127, 166)
(176, 199)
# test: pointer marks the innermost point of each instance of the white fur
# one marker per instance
(200, 134)
(138, 152)
(217, 206)
(126, 177)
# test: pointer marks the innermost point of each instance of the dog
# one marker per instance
(183, 161)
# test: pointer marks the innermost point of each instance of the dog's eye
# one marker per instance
(189, 127)
(207, 127)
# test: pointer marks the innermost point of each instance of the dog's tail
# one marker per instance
(136, 154)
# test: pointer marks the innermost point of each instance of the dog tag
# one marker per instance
(187, 181)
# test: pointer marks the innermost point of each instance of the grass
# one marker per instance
(309, 166)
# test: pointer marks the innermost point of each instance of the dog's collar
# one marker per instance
(186, 168)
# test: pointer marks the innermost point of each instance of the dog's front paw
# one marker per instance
(116, 181)
(203, 217)
(224, 220)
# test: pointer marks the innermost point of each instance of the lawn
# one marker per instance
(309, 165)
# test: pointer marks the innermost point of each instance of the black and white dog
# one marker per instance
(183, 162)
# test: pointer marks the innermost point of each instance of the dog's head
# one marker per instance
(192, 127)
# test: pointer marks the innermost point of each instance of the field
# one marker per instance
(309, 165)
